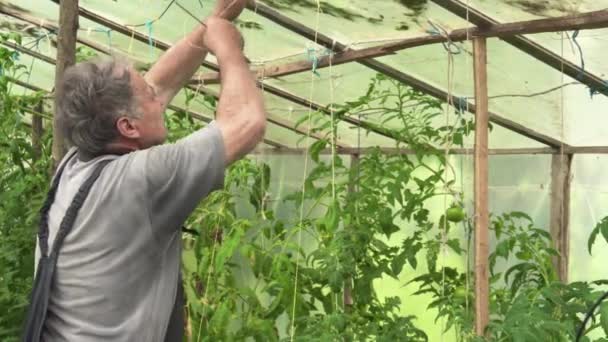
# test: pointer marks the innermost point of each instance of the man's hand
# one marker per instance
(222, 38)
(229, 9)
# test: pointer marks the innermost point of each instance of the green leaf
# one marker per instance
(503, 248)
(455, 245)
(227, 248)
(604, 317)
(592, 238)
(398, 262)
(316, 148)
(604, 229)
(331, 220)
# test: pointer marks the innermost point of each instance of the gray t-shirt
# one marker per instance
(117, 272)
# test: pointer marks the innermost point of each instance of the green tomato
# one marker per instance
(455, 214)
(460, 294)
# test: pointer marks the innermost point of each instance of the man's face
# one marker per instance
(150, 123)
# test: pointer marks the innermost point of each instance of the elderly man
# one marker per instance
(117, 274)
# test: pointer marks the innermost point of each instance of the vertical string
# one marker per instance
(467, 279)
(561, 150)
(301, 221)
(333, 138)
(447, 166)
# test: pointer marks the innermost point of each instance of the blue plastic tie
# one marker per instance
(109, 33)
(312, 56)
(150, 40)
(461, 104)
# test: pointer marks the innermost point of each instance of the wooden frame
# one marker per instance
(380, 67)
(526, 45)
(598, 19)
(487, 27)
(482, 215)
(560, 211)
(66, 56)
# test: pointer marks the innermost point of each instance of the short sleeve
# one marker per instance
(180, 175)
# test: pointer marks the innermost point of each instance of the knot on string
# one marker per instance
(312, 56)
(449, 46)
(108, 32)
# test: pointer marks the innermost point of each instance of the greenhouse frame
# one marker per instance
(501, 102)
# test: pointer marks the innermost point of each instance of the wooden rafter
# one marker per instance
(415, 83)
(526, 45)
(284, 150)
(598, 19)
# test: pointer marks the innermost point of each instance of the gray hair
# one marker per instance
(92, 96)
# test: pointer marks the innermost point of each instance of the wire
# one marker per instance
(157, 18)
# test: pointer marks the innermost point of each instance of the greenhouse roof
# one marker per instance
(532, 102)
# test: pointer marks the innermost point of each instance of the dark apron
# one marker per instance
(39, 300)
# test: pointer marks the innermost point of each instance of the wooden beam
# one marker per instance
(330, 43)
(193, 114)
(383, 68)
(284, 150)
(482, 217)
(526, 45)
(598, 19)
(52, 27)
(560, 211)
(29, 52)
(66, 57)
(407, 151)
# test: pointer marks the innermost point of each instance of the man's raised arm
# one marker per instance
(178, 64)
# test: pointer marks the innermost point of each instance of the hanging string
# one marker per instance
(333, 139)
(580, 51)
(305, 173)
(561, 149)
(467, 279)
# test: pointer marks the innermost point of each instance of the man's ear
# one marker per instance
(127, 128)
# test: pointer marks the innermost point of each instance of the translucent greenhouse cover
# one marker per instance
(570, 114)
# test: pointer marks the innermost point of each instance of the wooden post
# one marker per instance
(37, 132)
(66, 57)
(560, 211)
(482, 284)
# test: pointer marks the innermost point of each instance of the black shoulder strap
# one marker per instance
(43, 225)
(40, 296)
